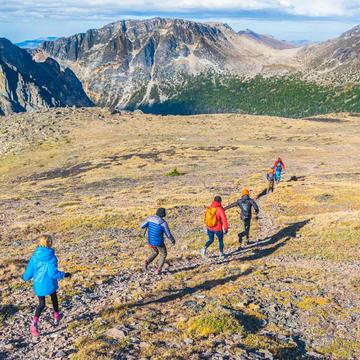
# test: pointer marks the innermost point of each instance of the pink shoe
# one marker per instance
(34, 330)
(56, 316)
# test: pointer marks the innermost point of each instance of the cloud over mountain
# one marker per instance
(90, 9)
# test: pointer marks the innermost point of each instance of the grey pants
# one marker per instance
(155, 251)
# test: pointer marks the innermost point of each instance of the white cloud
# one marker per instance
(91, 9)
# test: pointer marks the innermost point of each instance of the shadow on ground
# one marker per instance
(278, 240)
(180, 293)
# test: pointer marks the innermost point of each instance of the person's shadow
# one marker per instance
(278, 240)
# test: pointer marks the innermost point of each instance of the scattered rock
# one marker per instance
(116, 333)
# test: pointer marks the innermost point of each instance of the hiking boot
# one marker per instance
(221, 254)
(34, 330)
(157, 271)
(56, 317)
(203, 252)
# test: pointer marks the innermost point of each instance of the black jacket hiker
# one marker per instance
(245, 204)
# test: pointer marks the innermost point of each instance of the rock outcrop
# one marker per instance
(29, 85)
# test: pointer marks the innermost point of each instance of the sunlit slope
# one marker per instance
(92, 180)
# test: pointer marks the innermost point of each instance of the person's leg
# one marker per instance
(40, 307)
(209, 242)
(55, 303)
(34, 329)
(247, 223)
(163, 253)
(211, 236)
(152, 256)
(220, 237)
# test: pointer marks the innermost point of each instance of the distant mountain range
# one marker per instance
(34, 44)
(179, 66)
(28, 85)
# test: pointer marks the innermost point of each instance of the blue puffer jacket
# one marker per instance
(43, 269)
(157, 227)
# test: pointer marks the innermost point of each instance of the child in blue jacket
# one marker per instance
(43, 269)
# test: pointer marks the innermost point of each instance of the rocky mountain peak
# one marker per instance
(27, 85)
(136, 61)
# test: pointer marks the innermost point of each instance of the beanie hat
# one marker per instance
(218, 199)
(161, 212)
(245, 191)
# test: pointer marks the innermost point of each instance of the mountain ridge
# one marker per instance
(123, 57)
(29, 85)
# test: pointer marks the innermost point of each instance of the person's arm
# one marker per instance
(167, 232)
(283, 165)
(230, 206)
(54, 272)
(144, 224)
(223, 220)
(255, 205)
(29, 272)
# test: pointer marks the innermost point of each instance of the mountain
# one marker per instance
(299, 43)
(26, 84)
(34, 44)
(266, 40)
(336, 60)
(135, 62)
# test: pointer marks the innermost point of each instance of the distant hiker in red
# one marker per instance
(245, 204)
(279, 162)
(217, 225)
(279, 166)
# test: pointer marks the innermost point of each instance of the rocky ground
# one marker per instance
(293, 293)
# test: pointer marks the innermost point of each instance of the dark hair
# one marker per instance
(217, 199)
(161, 212)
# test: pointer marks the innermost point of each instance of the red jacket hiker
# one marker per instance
(222, 223)
(279, 161)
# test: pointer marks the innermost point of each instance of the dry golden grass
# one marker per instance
(93, 190)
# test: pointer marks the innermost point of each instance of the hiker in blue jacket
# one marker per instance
(156, 227)
(42, 268)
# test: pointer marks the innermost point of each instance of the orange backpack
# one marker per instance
(210, 217)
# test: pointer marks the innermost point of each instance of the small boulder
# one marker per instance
(116, 333)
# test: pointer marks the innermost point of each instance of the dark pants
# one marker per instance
(220, 237)
(270, 186)
(246, 232)
(41, 305)
(155, 251)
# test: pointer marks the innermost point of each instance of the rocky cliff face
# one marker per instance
(139, 62)
(334, 61)
(28, 85)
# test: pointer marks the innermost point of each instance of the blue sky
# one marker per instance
(315, 20)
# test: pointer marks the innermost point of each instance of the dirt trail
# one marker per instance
(16, 342)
